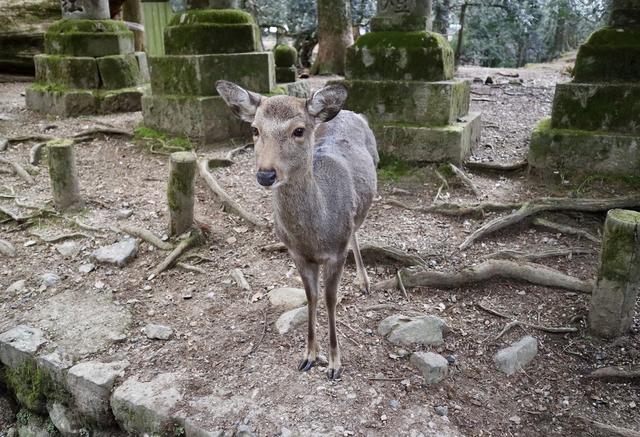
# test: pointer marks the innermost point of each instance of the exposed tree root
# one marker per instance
(615, 374)
(534, 256)
(57, 238)
(565, 229)
(25, 138)
(147, 236)
(219, 162)
(25, 218)
(35, 154)
(238, 276)
(238, 150)
(93, 132)
(274, 247)
(382, 306)
(229, 204)
(457, 210)
(465, 180)
(194, 238)
(496, 166)
(19, 170)
(550, 204)
(79, 223)
(190, 268)
(604, 430)
(4, 143)
(528, 272)
(445, 185)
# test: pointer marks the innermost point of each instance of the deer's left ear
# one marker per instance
(243, 103)
(327, 102)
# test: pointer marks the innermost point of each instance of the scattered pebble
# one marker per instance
(124, 213)
(49, 279)
(158, 332)
(30, 243)
(86, 268)
(441, 410)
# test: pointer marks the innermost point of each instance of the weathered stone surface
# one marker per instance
(64, 419)
(417, 56)
(158, 332)
(19, 345)
(118, 254)
(94, 38)
(16, 287)
(55, 366)
(122, 100)
(143, 66)
(614, 297)
(513, 358)
(425, 330)
(609, 55)
(597, 107)
(119, 71)
(424, 103)
(193, 429)
(402, 16)
(287, 298)
(291, 319)
(576, 152)
(6, 248)
(146, 407)
(197, 74)
(67, 71)
(434, 367)
(49, 279)
(35, 426)
(68, 249)
(66, 103)
(90, 384)
(86, 9)
(429, 144)
(286, 74)
(299, 88)
(205, 118)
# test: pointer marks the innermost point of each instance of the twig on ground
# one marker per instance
(382, 306)
(237, 151)
(401, 285)
(533, 256)
(375, 378)
(496, 166)
(19, 170)
(85, 226)
(482, 99)
(190, 268)
(565, 229)
(457, 210)
(199, 258)
(225, 199)
(193, 239)
(465, 179)
(615, 374)
(444, 185)
(348, 338)
(264, 332)
(147, 236)
(528, 272)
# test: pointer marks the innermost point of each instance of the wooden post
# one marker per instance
(614, 296)
(63, 175)
(180, 191)
(131, 11)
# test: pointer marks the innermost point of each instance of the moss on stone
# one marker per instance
(609, 55)
(119, 71)
(285, 55)
(286, 74)
(620, 245)
(93, 44)
(157, 141)
(210, 38)
(68, 25)
(219, 16)
(29, 384)
(394, 169)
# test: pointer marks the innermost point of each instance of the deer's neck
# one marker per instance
(298, 203)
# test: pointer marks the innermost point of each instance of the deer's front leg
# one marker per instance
(332, 274)
(309, 273)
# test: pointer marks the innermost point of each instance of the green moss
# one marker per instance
(72, 72)
(159, 142)
(50, 87)
(609, 36)
(285, 55)
(394, 40)
(219, 16)
(619, 246)
(211, 38)
(394, 169)
(95, 44)
(30, 385)
(68, 25)
(609, 55)
(119, 71)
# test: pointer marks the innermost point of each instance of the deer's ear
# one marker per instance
(327, 102)
(243, 103)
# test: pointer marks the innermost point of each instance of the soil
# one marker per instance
(225, 343)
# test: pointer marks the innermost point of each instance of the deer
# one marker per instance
(320, 163)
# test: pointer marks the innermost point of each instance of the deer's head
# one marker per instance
(283, 127)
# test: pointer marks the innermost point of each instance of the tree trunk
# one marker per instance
(132, 12)
(442, 10)
(334, 35)
(463, 11)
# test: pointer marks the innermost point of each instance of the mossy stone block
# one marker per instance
(88, 38)
(429, 144)
(68, 71)
(286, 74)
(414, 56)
(597, 107)
(209, 38)
(284, 55)
(59, 101)
(609, 55)
(579, 152)
(424, 103)
(119, 71)
(206, 119)
(197, 74)
(70, 25)
(122, 100)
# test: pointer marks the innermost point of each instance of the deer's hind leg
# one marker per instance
(309, 272)
(362, 271)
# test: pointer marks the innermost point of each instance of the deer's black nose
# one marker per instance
(266, 178)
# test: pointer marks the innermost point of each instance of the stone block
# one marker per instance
(90, 384)
(143, 65)
(402, 23)
(609, 55)
(285, 55)
(424, 103)
(123, 100)
(513, 358)
(597, 107)
(434, 367)
(429, 144)
(576, 152)
(60, 101)
(286, 74)
(88, 38)
(55, 365)
(197, 74)
(146, 407)
(414, 56)
(67, 71)
(405, 330)
(204, 118)
(299, 88)
(19, 345)
(119, 71)
(118, 254)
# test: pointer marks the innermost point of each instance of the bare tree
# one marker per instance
(334, 36)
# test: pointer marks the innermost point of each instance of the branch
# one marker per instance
(465, 179)
(525, 256)
(17, 168)
(615, 374)
(457, 210)
(193, 239)
(565, 229)
(147, 236)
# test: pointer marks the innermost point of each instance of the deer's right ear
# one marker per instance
(243, 103)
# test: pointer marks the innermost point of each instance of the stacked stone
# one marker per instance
(90, 65)
(595, 122)
(201, 47)
(401, 76)
(285, 57)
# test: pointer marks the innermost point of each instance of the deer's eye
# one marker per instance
(254, 131)
(298, 132)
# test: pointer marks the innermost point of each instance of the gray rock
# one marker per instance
(192, 429)
(441, 410)
(243, 431)
(35, 427)
(7, 248)
(434, 367)
(158, 332)
(55, 365)
(287, 298)
(18, 345)
(68, 249)
(48, 279)
(16, 287)
(145, 407)
(7, 415)
(64, 419)
(513, 358)
(124, 213)
(12, 432)
(405, 330)
(118, 254)
(86, 268)
(289, 320)
(90, 383)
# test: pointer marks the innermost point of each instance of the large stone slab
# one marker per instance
(429, 143)
(146, 407)
(576, 152)
(197, 74)
(424, 103)
(292, 319)
(94, 38)
(203, 118)
(18, 345)
(73, 102)
(434, 367)
(67, 71)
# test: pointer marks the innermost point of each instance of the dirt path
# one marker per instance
(219, 324)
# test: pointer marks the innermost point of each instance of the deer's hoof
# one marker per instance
(334, 374)
(306, 365)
